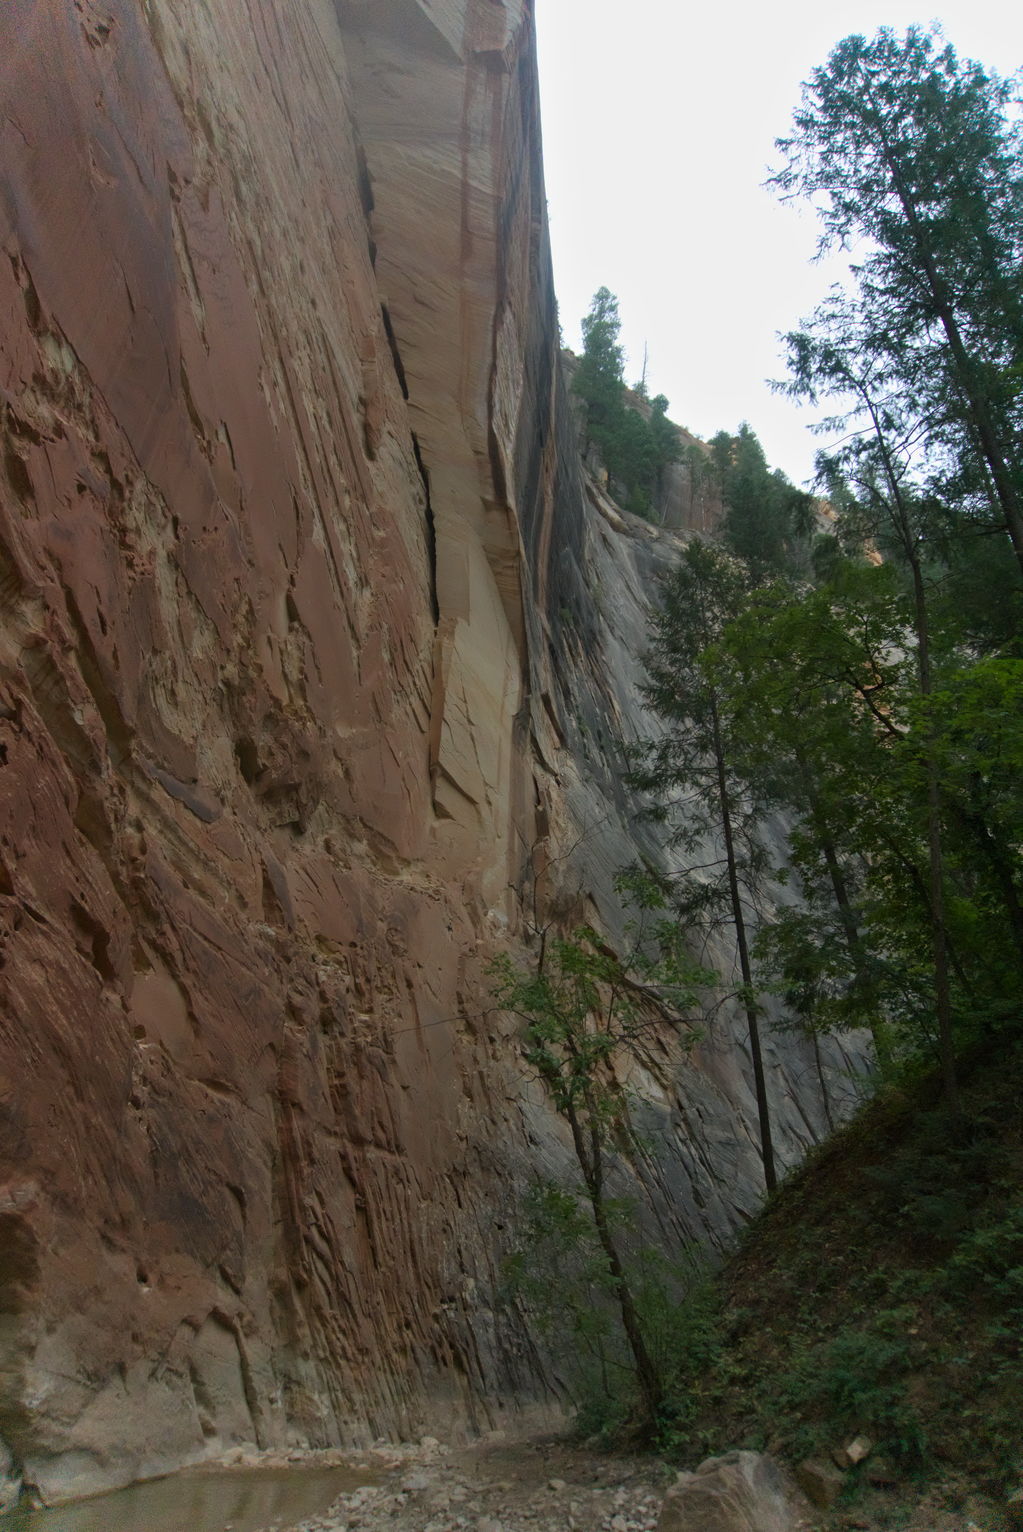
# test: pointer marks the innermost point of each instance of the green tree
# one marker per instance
(973, 724)
(599, 378)
(635, 450)
(691, 772)
(822, 689)
(910, 155)
(667, 445)
(583, 1009)
(767, 520)
(870, 477)
(790, 669)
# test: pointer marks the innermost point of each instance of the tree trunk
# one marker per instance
(850, 928)
(993, 852)
(724, 804)
(592, 1166)
(822, 1082)
(935, 856)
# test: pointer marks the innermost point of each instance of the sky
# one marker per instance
(659, 122)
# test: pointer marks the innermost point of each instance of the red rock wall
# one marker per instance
(313, 656)
(229, 1090)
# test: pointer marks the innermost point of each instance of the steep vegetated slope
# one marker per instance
(317, 646)
(881, 1295)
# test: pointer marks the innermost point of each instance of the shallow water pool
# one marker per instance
(201, 1500)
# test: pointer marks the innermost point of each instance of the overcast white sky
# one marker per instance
(659, 120)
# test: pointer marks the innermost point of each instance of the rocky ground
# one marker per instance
(553, 1485)
(545, 1485)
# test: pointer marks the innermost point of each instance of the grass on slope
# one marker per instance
(880, 1293)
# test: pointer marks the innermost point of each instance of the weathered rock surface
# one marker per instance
(821, 1482)
(740, 1492)
(315, 647)
(10, 1479)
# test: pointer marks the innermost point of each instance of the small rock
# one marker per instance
(415, 1483)
(488, 1524)
(10, 1492)
(853, 1452)
(556, 1484)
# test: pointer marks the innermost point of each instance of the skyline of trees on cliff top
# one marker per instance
(658, 137)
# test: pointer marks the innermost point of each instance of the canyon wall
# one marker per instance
(317, 645)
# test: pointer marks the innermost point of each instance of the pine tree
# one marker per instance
(600, 374)
(635, 450)
(767, 519)
(690, 772)
(909, 153)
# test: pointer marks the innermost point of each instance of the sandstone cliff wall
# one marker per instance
(316, 643)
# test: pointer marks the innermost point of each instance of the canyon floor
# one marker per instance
(552, 1484)
(502, 1485)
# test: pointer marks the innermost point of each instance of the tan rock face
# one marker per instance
(740, 1492)
(301, 624)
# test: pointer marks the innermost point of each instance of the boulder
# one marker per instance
(415, 1483)
(1014, 1511)
(10, 1478)
(820, 1482)
(740, 1492)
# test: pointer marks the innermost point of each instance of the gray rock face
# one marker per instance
(740, 1492)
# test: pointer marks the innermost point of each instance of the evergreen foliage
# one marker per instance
(866, 682)
(863, 685)
(635, 450)
(829, 680)
(826, 685)
(694, 772)
(768, 520)
(912, 155)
